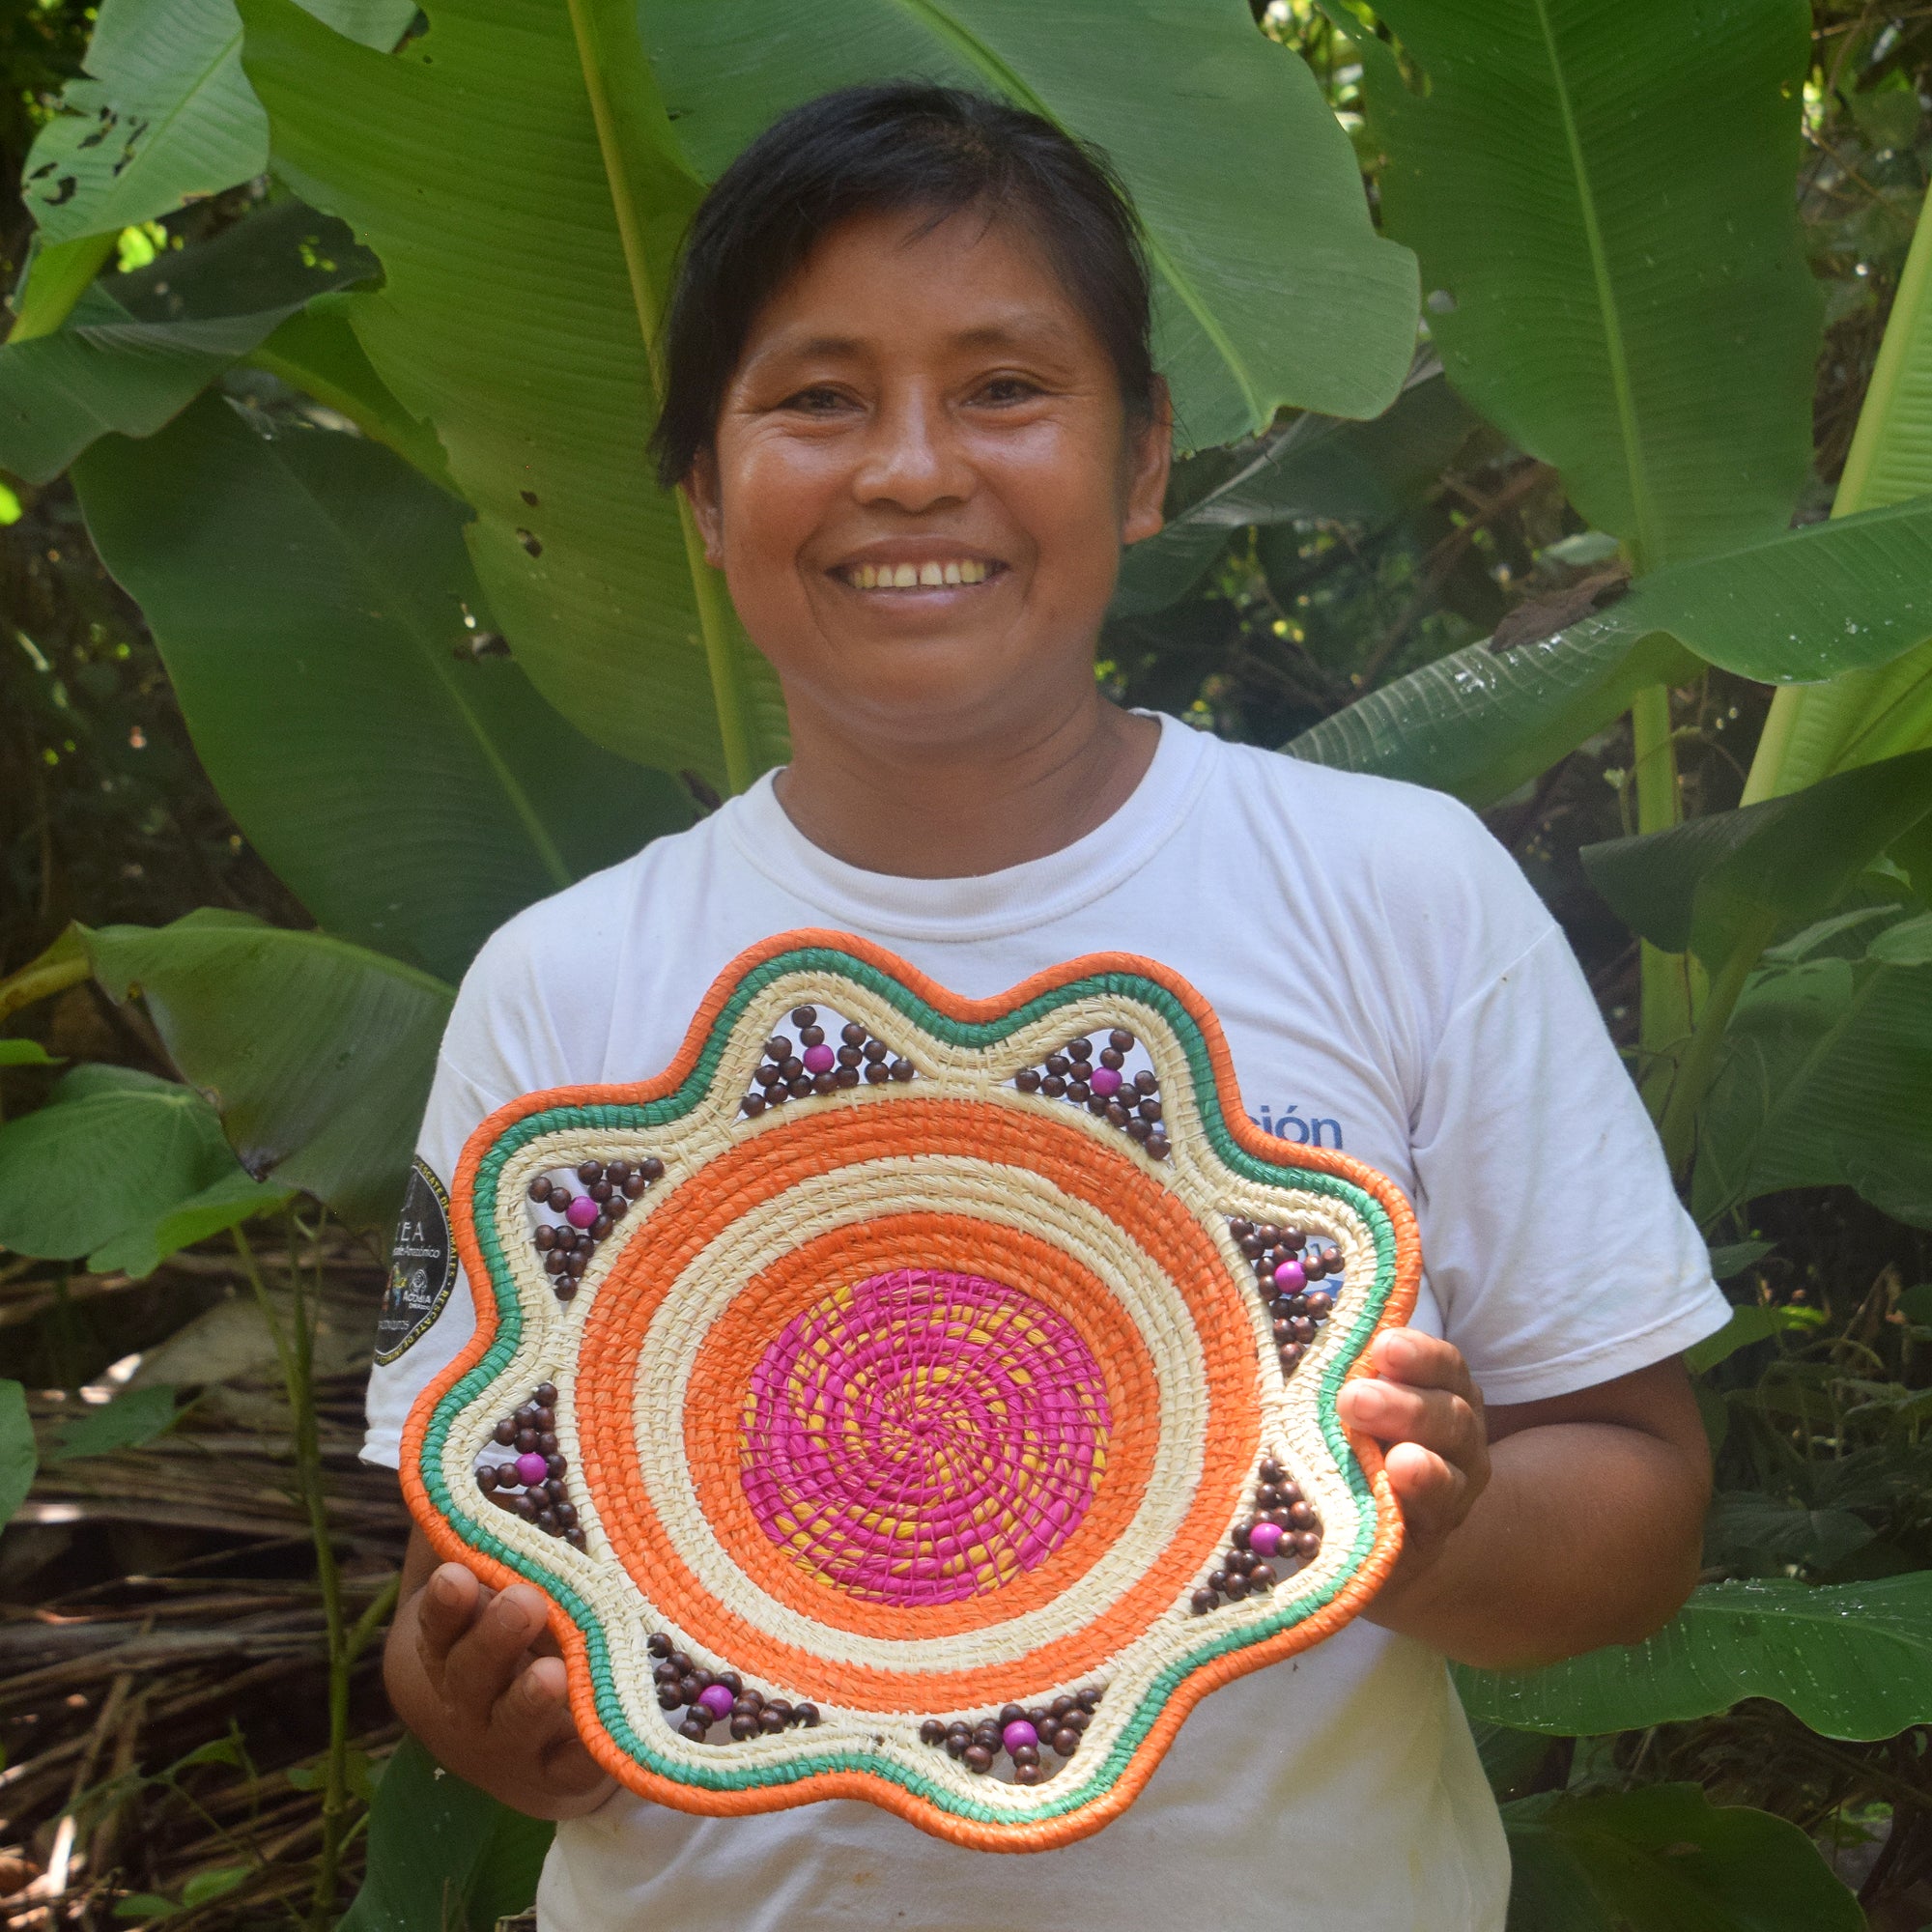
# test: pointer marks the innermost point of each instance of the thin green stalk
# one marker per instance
(296, 1354)
(1697, 1067)
(1665, 1015)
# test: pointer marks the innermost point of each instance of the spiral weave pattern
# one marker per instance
(922, 1436)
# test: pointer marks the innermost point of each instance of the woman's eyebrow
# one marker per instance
(1025, 331)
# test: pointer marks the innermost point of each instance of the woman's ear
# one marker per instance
(700, 487)
(1151, 452)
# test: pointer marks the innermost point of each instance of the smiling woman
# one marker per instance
(910, 399)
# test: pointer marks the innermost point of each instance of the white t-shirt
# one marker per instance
(1389, 985)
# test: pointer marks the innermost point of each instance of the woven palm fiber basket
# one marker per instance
(913, 1398)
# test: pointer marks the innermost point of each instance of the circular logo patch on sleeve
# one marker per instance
(423, 1269)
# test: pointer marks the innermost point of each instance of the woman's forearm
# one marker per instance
(1588, 1533)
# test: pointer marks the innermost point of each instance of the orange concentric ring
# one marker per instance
(767, 1165)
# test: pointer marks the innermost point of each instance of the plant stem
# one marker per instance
(58, 279)
(1665, 1015)
(1697, 1067)
(297, 1356)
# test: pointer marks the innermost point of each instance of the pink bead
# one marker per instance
(581, 1212)
(1019, 1733)
(1290, 1277)
(531, 1468)
(1265, 1538)
(820, 1059)
(1105, 1081)
(715, 1699)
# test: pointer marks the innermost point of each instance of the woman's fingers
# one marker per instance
(486, 1660)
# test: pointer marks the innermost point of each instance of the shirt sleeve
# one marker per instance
(426, 1313)
(1553, 1240)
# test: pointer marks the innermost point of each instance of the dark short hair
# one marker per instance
(865, 149)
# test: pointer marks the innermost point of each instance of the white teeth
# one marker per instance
(910, 576)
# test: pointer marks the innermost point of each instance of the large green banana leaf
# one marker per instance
(1271, 286)
(164, 112)
(1312, 467)
(1850, 1660)
(1881, 712)
(523, 191)
(137, 348)
(1479, 722)
(1602, 200)
(317, 1054)
(1663, 1858)
(308, 595)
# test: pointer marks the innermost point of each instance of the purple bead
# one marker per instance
(1105, 1081)
(533, 1468)
(1019, 1733)
(1290, 1277)
(717, 1700)
(820, 1059)
(581, 1212)
(1265, 1538)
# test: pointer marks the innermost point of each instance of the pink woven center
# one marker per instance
(922, 1437)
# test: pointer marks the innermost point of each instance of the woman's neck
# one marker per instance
(960, 811)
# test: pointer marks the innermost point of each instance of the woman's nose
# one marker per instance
(913, 458)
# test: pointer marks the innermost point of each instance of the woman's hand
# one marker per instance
(1424, 1406)
(474, 1674)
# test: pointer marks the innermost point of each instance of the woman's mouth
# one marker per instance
(931, 573)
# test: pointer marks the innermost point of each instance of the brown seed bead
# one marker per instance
(589, 1170)
(1139, 1130)
(1028, 1773)
(525, 1506)
(1081, 1050)
(1271, 1471)
(1027, 1080)
(690, 1688)
(694, 1728)
(1261, 1578)
(1306, 1542)
(1117, 1114)
(932, 1732)
(778, 1047)
(566, 1288)
(805, 1016)
(1238, 1588)
(559, 1196)
(779, 1709)
(1058, 1064)
(1060, 1707)
(744, 1726)
(1250, 1245)
(545, 1238)
(636, 1185)
(852, 1033)
(1291, 1357)
(566, 1514)
(1089, 1699)
(504, 1432)
(1146, 1083)
(805, 1715)
(731, 1680)
(1268, 1497)
(618, 1208)
(682, 1661)
(651, 1167)
(540, 1188)
(1158, 1145)
(849, 1056)
(1217, 1579)
(600, 1191)
(1078, 1720)
(978, 1759)
(507, 1477)
(527, 1441)
(770, 1722)
(812, 1036)
(1112, 1057)
(958, 1738)
(601, 1227)
(1011, 1713)
(658, 1644)
(823, 1083)
(874, 1049)
(1120, 1040)
(1301, 1516)
(903, 1070)
(546, 1523)
(845, 1076)
(877, 1073)
(791, 1069)
(802, 1088)
(574, 1268)
(1066, 1741)
(1078, 1091)
(668, 1699)
(1149, 1110)
(486, 1480)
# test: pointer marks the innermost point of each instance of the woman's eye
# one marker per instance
(1007, 389)
(816, 401)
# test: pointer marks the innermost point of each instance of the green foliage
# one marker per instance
(1853, 1660)
(18, 1458)
(166, 113)
(317, 1053)
(443, 1853)
(153, 1149)
(139, 347)
(1620, 285)
(315, 606)
(1665, 1859)
(134, 1418)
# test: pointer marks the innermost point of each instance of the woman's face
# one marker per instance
(922, 479)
